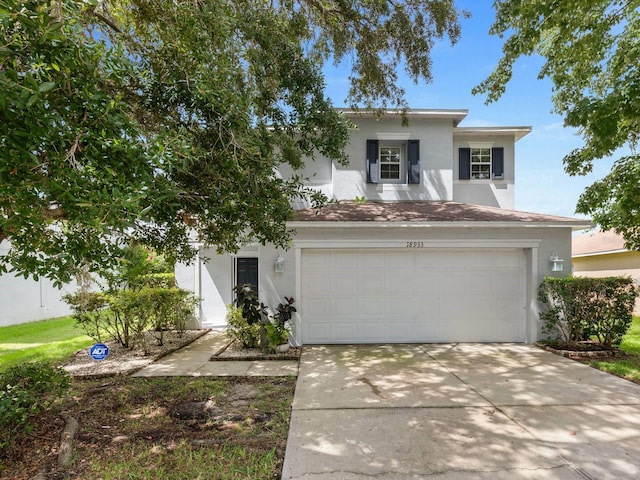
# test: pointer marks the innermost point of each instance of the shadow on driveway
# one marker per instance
(449, 411)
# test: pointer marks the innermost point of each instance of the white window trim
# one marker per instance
(401, 156)
(402, 180)
(481, 145)
(393, 136)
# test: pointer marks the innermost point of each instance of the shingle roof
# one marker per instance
(597, 242)
(425, 212)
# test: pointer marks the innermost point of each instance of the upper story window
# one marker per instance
(481, 162)
(393, 161)
(390, 165)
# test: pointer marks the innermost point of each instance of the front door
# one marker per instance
(247, 272)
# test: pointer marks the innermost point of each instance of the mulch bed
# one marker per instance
(582, 350)
(232, 351)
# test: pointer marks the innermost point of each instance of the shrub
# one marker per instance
(581, 309)
(125, 315)
(247, 301)
(240, 330)
(277, 330)
(88, 309)
(25, 390)
(157, 280)
(277, 334)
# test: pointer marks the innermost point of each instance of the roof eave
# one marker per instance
(517, 132)
(596, 254)
(498, 224)
(456, 115)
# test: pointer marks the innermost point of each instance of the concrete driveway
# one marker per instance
(459, 411)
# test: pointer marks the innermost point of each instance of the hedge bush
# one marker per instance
(125, 315)
(581, 308)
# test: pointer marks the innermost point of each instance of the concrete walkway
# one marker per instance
(195, 360)
(466, 411)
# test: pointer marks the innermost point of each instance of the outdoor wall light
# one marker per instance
(278, 265)
(556, 264)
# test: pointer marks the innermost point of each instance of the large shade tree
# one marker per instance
(592, 55)
(163, 121)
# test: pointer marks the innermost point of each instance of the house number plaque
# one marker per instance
(415, 244)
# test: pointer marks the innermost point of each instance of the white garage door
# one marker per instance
(419, 295)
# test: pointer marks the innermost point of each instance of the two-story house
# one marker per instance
(421, 245)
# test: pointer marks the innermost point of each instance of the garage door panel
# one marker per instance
(372, 258)
(318, 307)
(371, 306)
(345, 307)
(316, 258)
(425, 306)
(345, 331)
(396, 280)
(506, 308)
(320, 332)
(343, 259)
(399, 260)
(402, 332)
(458, 308)
(372, 331)
(420, 295)
(371, 282)
(343, 284)
(425, 281)
(318, 284)
(398, 306)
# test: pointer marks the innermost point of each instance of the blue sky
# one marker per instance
(541, 183)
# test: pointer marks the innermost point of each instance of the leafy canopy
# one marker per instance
(592, 53)
(163, 121)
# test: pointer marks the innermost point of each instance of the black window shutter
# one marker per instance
(464, 164)
(497, 162)
(372, 161)
(413, 163)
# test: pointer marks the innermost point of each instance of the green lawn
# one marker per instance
(51, 340)
(628, 367)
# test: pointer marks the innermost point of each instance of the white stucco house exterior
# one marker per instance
(25, 300)
(435, 252)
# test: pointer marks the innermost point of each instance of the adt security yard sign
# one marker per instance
(99, 351)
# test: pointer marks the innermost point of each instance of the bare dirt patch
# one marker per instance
(178, 427)
(161, 428)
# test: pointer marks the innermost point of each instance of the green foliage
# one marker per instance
(587, 308)
(285, 311)
(125, 315)
(138, 298)
(139, 266)
(154, 120)
(592, 49)
(25, 390)
(90, 312)
(158, 280)
(248, 323)
(253, 311)
(277, 334)
(71, 179)
(248, 335)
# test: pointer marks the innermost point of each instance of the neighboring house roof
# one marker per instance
(597, 243)
(436, 213)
